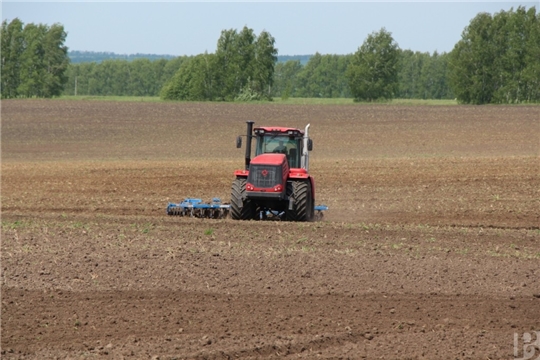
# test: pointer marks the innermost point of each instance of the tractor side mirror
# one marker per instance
(310, 144)
(239, 142)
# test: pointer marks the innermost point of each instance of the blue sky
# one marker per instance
(191, 28)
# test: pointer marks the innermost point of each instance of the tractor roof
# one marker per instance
(278, 130)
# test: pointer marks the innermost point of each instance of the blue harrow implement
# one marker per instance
(215, 209)
(197, 208)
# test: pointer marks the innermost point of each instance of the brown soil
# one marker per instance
(430, 248)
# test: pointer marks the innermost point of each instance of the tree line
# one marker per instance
(419, 76)
(76, 56)
(140, 77)
(496, 61)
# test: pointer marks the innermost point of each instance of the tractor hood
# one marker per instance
(269, 159)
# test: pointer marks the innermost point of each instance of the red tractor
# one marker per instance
(276, 182)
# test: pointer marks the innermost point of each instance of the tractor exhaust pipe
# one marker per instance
(305, 154)
(248, 142)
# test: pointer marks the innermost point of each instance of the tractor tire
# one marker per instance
(241, 209)
(303, 201)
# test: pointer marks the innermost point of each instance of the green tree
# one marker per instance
(342, 82)
(142, 77)
(242, 68)
(55, 61)
(228, 66)
(264, 64)
(79, 76)
(245, 59)
(12, 46)
(433, 75)
(531, 72)
(158, 69)
(194, 80)
(310, 79)
(324, 76)
(34, 60)
(32, 66)
(472, 62)
(409, 75)
(285, 78)
(121, 73)
(496, 60)
(170, 68)
(372, 73)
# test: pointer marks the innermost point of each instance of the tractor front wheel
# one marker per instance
(241, 207)
(303, 209)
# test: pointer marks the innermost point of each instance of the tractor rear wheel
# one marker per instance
(241, 207)
(303, 209)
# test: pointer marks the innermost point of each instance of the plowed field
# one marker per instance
(430, 248)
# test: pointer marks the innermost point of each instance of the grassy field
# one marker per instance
(277, 100)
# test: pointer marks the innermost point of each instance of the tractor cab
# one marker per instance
(291, 142)
(285, 141)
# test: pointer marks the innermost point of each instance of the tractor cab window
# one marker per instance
(279, 144)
